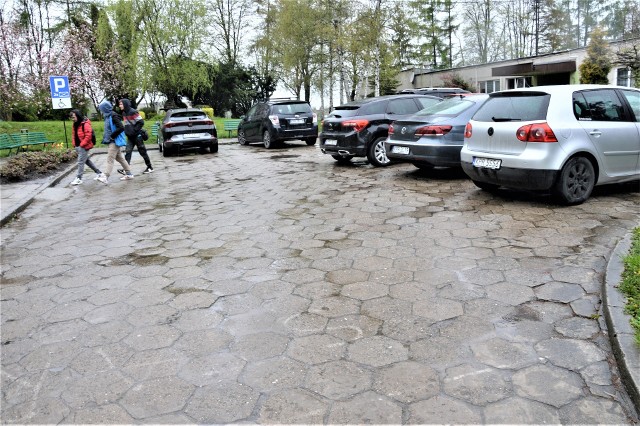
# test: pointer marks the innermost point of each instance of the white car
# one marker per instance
(563, 139)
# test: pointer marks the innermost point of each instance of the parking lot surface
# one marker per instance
(275, 286)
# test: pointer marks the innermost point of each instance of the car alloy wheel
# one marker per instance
(242, 140)
(266, 140)
(575, 181)
(377, 155)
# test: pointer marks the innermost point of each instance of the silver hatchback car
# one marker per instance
(563, 139)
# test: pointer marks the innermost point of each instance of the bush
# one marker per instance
(30, 165)
(148, 112)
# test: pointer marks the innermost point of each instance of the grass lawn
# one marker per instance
(630, 285)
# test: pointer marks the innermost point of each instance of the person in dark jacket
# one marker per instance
(112, 129)
(133, 124)
(82, 137)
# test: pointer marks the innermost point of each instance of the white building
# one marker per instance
(542, 70)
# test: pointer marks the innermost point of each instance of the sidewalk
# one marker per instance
(15, 197)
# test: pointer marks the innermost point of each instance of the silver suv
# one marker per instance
(563, 139)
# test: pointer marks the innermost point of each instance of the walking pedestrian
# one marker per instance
(113, 129)
(83, 140)
(133, 124)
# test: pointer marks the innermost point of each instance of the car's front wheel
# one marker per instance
(266, 140)
(310, 141)
(242, 140)
(377, 155)
(575, 181)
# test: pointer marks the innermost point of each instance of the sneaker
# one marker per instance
(121, 171)
(76, 181)
(127, 177)
(148, 170)
(102, 178)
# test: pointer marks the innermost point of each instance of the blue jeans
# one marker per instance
(83, 159)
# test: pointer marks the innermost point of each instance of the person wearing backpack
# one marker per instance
(133, 124)
(114, 138)
(83, 139)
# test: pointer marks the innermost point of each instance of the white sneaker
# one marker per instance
(102, 178)
(76, 181)
(98, 176)
(126, 177)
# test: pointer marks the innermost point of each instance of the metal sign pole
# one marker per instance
(66, 141)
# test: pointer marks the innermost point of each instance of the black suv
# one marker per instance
(187, 128)
(359, 128)
(277, 120)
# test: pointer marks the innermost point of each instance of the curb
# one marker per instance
(621, 334)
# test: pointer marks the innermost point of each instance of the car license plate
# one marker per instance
(296, 121)
(486, 163)
(193, 135)
(400, 150)
(330, 142)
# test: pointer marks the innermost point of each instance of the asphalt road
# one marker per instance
(275, 286)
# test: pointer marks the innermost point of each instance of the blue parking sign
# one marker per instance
(60, 92)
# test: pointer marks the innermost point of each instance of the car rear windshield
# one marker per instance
(344, 112)
(189, 114)
(451, 107)
(514, 106)
(293, 108)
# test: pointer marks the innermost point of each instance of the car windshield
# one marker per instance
(294, 108)
(189, 114)
(514, 106)
(451, 107)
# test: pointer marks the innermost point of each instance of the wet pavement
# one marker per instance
(275, 286)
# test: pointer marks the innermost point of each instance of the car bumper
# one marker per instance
(350, 144)
(434, 154)
(527, 179)
(281, 134)
(190, 142)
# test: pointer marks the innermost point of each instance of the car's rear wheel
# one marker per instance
(575, 181)
(213, 148)
(310, 141)
(242, 140)
(486, 186)
(342, 159)
(166, 152)
(266, 140)
(423, 166)
(377, 155)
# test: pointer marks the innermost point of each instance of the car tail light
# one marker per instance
(538, 132)
(315, 118)
(275, 120)
(356, 124)
(432, 130)
(467, 130)
(391, 129)
(169, 125)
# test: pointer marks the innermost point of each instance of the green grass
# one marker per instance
(630, 285)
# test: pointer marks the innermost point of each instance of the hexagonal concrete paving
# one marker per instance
(276, 286)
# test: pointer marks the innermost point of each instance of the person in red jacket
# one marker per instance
(82, 137)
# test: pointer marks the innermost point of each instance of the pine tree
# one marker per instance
(596, 66)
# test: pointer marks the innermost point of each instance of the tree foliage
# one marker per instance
(595, 68)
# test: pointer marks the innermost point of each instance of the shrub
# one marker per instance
(148, 112)
(30, 165)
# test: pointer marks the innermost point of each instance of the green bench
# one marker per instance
(7, 142)
(231, 125)
(154, 128)
(31, 138)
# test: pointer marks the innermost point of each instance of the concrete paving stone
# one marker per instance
(252, 322)
(254, 347)
(548, 384)
(198, 319)
(365, 290)
(413, 264)
(186, 272)
(503, 354)
(510, 293)
(31, 386)
(40, 411)
(223, 402)
(101, 388)
(302, 276)
(156, 397)
(377, 351)
(18, 329)
(367, 408)
(455, 263)
(105, 332)
(13, 310)
(549, 312)
(59, 331)
(593, 410)
(211, 368)
(273, 374)
(272, 289)
(112, 282)
(487, 308)
(152, 337)
(193, 300)
(577, 328)
(435, 276)
(304, 324)
(597, 373)
(335, 306)
(167, 419)
(53, 355)
(465, 327)
(105, 297)
(8, 292)
(407, 382)
(372, 263)
(570, 353)
(68, 311)
(285, 306)
(391, 276)
(477, 384)
(385, 308)
(412, 291)
(316, 349)
(151, 315)
(292, 407)
(499, 264)
(461, 291)
(148, 297)
(102, 414)
(154, 363)
(483, 277)
(437, 309)
(150, 281)
(353, 327)
(527, 276)
(440, 352)
(101, 358)
(202, 342)
(438, 408)
(408, 328)
(559, 292)
(520, 411)
(338, 380)
(516, 329)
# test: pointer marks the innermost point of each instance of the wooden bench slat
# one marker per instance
(231, 125)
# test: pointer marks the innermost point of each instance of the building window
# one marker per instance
(624, 77)
(518, 83)
(489, 86)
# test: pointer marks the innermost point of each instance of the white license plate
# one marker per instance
(400, 150)
(330, 142)
(296, 121)
(487, 163)
(193, 135)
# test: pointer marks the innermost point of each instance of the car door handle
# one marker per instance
(596, 133)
